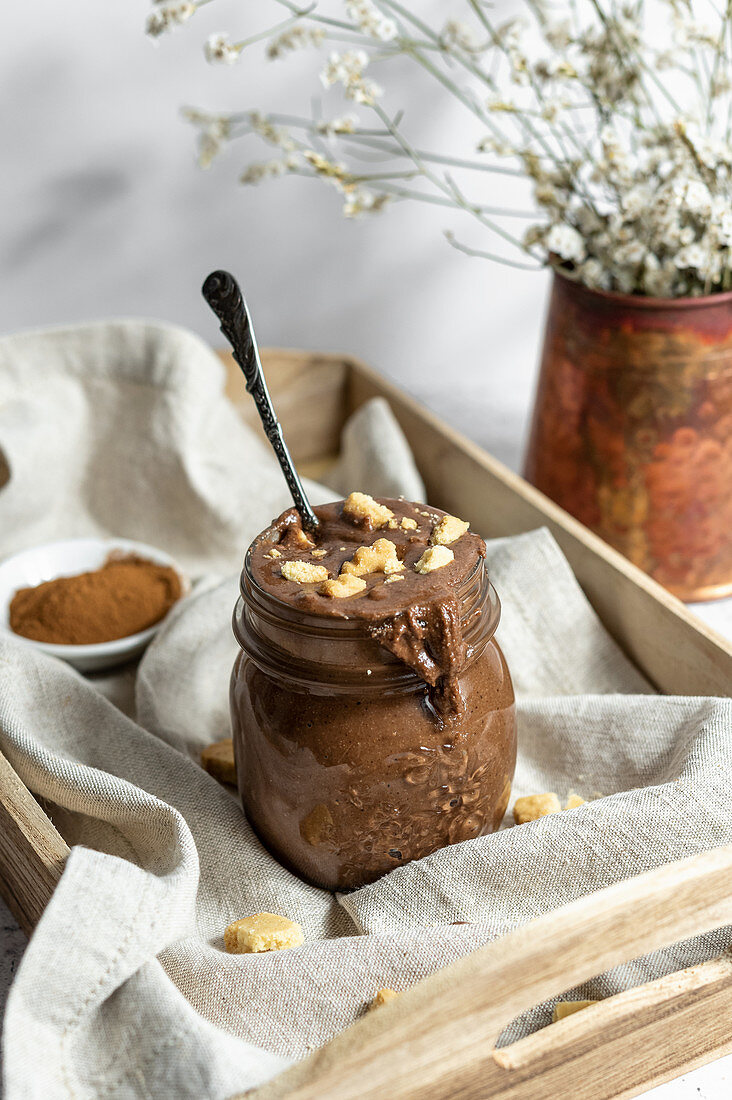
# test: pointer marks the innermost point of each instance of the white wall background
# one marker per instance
(104, 212)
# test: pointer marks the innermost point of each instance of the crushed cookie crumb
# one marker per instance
(379, 558)
(273, 553)
(218, 761)
(408, 524)
(262, 932)
(434, 557)
(364, 510)
(304, 572)
(533, 806)
(568, 1008)
(318, 553)
(339, 588)
(382, 997)
(574, 800)
(448, 530)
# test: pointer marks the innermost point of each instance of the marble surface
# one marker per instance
(105, 214)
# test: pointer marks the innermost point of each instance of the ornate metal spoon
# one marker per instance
(223, 294)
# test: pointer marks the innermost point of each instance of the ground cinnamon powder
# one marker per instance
(126, 595)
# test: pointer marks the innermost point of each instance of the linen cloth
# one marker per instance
(125, 990)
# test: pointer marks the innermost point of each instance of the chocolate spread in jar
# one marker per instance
(415, 615)
(377, 725)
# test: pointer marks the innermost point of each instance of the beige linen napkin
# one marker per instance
(125, 990)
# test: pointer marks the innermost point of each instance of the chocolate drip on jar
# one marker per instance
(428, 638)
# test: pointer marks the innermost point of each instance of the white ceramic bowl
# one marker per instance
(64, 559)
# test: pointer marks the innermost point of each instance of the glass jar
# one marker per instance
(345, 769)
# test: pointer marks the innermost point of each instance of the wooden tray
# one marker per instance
(438, 1039)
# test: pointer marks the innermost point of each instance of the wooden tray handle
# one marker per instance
(32, 852)
(437, 1040)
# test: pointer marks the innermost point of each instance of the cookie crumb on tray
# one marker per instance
(382, 998)
(262, 932)
(218, 761)
(567, 1008)
(533, 806)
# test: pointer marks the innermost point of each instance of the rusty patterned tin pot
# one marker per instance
(632, 429)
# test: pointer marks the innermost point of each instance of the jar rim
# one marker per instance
(257, 609)
(306, 620)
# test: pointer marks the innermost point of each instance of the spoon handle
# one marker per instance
(224, 296)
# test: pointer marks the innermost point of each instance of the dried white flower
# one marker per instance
(273, 135)
(693, 255)
(362, 201)
(631, 171)
(658, 279)
(636, 201)
(255, 173)
(630, 254)
(546, 194)
(593, 274)
(166, 17)
(494, 145)
(508, 38)
(510, 33)
(370, 20)
(587, 220)
(566, 242)
(551, 109)
(324, 167)
(689, 32)
(348, 69)
(696, 198)
(554, 68)
(345, 124)
(218, 49)
(495, 102)
(456, 35)
(720, 83)
(295, 38)
(213, 133)
(558, 34)
(723, 229)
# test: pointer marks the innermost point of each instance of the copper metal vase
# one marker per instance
(632, 429)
